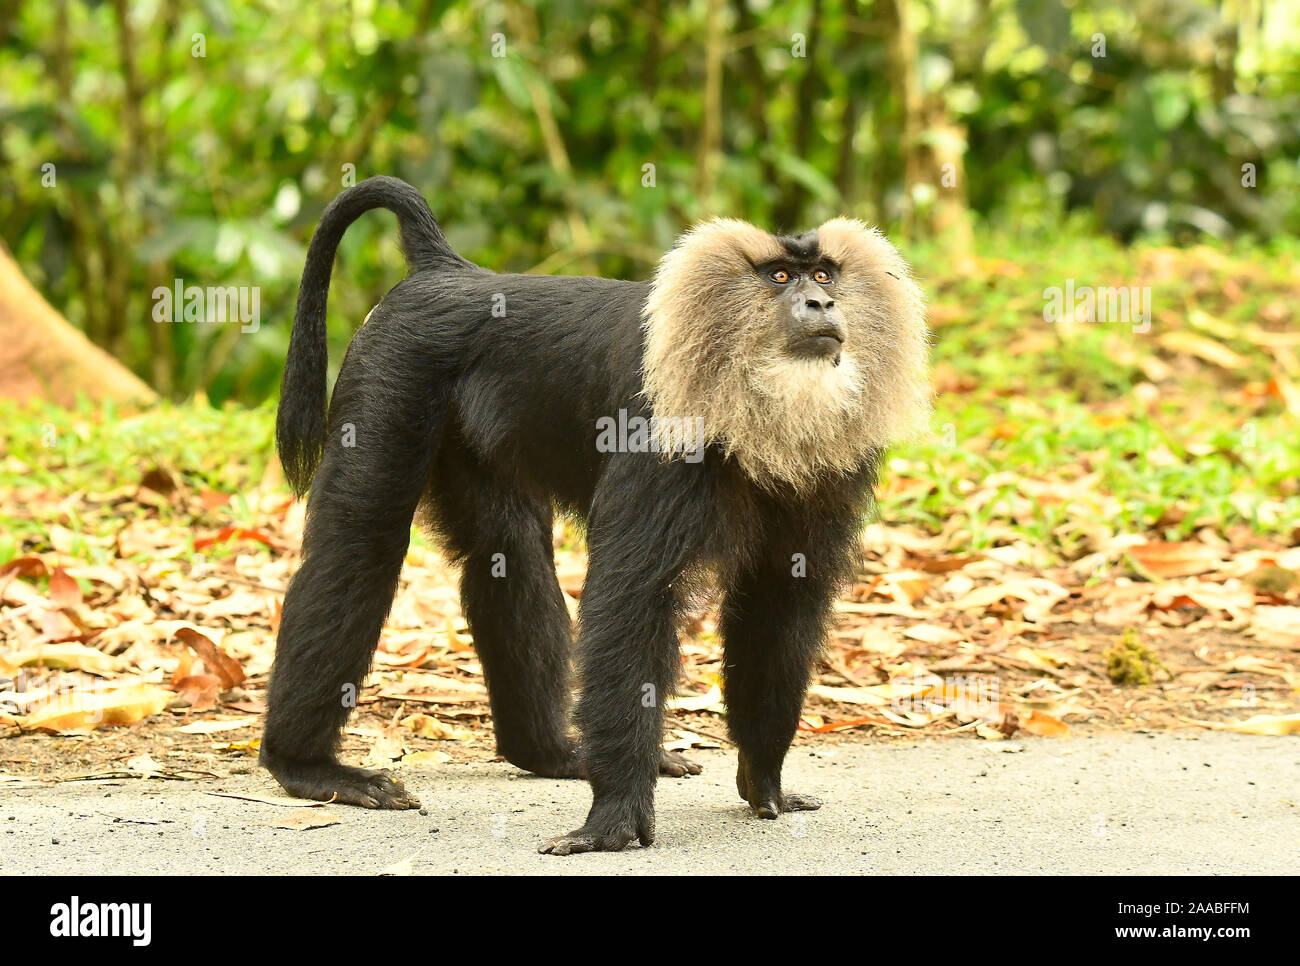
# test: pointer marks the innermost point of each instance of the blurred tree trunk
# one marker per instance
(654, 21)
(1227, 42)
(947, 216)
(43, 357)
(933, 143)
(788, 211)
(92, 272)
(759, 91)
(904, 73)
(162, 350)
(846, 167)
(527, 28)
(710, 152)
(118, 240)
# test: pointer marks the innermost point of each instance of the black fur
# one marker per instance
(804, 248)
(487, 423)
(300, 423)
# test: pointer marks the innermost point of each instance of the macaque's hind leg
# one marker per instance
(516, 612)
(514, 607)
(358, 527)
(333, 611)
(766, 798)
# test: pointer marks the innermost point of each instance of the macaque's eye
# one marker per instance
(780, 276)
(821, 276)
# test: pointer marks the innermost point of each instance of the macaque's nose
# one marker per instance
(811, 302)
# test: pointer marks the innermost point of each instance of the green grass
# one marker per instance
(1054, 437)
(1047, 401)
(1030, 404)
(90, 446)
(51, 453)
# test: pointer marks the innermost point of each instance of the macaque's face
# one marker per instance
(803, 281)
(803, 353)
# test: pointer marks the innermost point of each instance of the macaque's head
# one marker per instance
(803, 354)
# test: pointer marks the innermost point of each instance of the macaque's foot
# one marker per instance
(773, 806)
(765, 796)
(331, 781)
(675, 765)
(562, 764)
(610, 827)
(570, 766)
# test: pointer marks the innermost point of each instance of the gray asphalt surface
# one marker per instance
(1121, 804)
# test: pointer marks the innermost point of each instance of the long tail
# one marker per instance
(300, 423)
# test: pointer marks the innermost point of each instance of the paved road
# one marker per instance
(1121, 804)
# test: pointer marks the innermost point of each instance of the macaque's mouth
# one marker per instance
(820, 345)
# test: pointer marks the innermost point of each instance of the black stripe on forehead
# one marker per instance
(801, 248)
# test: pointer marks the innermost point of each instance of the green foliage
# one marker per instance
(50, 452)
(1063, 458)
(214, 168)
(1042, 406)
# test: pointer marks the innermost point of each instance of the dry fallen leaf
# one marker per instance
(198, 692)
(1158, 560)
(427, 726)
(416, 682)
(302, 819)
(71, 655)
(710, 701)
(932, 634)
(814, 723)
(404, 867)
(849, 695)
(214, 725)
(64, 590)
(905, 588)
(908, 719)
(942, 565)
(1041, 723)
(84, 710)
(1263, 724)
(24, 567)
(686, 740)
(1039, 594)
(250, 747)
(1200, 593)
(386, 749)
(1044, 660)
(220, 664)
(146, 766)
(880, 640)
(1277, 626)
(1203, 347)
(877, 695)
